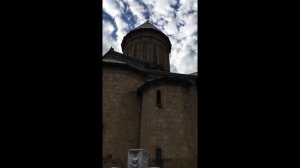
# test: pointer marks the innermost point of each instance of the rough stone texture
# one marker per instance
(193, 109)
(169, 127)
(121, 115)
(135, 121)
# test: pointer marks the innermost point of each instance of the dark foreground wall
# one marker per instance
(121, 115)
(133, 118)
(171, 126)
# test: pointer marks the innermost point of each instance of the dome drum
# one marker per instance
(148, 44)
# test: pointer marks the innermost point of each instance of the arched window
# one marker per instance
(158, 160)
(158, 98)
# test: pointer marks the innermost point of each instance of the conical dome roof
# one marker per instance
(147, 25)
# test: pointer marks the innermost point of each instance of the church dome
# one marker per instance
(148, 43)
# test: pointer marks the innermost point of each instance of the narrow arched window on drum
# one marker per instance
(158, 98)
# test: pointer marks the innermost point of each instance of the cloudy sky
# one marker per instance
(176, 18)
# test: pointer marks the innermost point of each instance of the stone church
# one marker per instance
(145, 106)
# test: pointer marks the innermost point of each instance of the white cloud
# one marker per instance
(115, 9)
(137, 10)
(111, 7)
(108, 41)
(180, 26)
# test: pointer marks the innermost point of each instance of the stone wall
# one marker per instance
(170, 127)
(193, 109)
(132, 121)
(121, 115)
